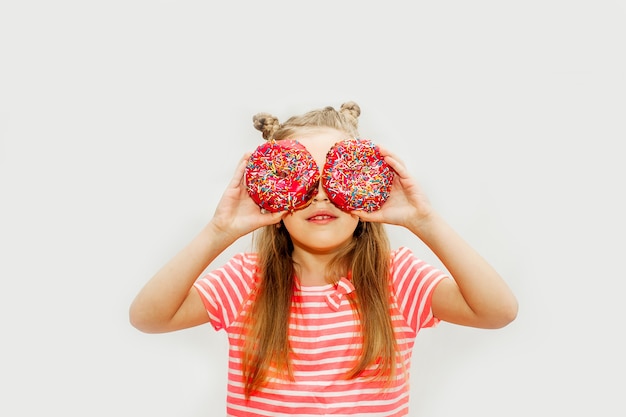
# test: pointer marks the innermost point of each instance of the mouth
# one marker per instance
(321, 217)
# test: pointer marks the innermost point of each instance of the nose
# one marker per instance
(321, 194)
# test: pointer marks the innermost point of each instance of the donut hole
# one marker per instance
(282, 174)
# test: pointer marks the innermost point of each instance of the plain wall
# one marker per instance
(121, 122)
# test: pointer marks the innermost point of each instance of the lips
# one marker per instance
(321, 216)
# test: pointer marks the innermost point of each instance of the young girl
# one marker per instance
(322, 318)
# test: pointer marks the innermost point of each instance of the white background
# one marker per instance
(122, 121)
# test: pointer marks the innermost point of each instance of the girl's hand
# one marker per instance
(406, 205)
(236, 213)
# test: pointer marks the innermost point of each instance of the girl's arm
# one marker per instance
(168, 301)
(476, 296)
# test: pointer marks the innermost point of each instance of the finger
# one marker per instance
(269, 218)
(278, 216)
(394, 161)
(386, 152)
(239, 172)
(373, 216)
(398, 166)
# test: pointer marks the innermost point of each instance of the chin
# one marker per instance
(321, 245)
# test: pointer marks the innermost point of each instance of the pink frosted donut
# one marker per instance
(355, 175)
(282, 176)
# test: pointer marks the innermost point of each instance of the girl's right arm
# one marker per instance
(168, 301)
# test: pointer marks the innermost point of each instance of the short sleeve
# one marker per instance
(414, 281)
(224, 290)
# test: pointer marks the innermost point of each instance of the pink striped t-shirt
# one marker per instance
(324, 337)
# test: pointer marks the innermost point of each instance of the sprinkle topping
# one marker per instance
(355, 175)
(282, 176)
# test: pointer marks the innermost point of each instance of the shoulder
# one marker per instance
(406, 269)
(400, 255)
(245, 259)
(240, 267)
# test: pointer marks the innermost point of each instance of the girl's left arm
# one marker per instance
(476, 295)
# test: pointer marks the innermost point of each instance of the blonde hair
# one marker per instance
(266, 347)
(346, 120)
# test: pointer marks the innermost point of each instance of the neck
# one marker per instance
(311, 267)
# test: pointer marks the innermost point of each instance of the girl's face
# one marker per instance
(320, 227)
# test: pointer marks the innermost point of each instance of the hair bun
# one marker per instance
(351, 111)
(266, 123)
